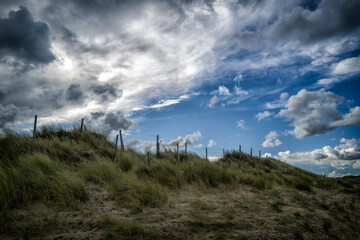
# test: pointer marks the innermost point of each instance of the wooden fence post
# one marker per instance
(34, 130)
(121, 141)
(116, 142)
(185, 147)
(178, 154)
(259, 154)
(206, 158)
(82, 125)
(223, 152)
(157, 145)
(240, 151)
(250, 152)
(149, 159)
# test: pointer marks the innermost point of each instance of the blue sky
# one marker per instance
(282, 77)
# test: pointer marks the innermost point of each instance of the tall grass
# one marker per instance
(35, 176)
(128, 190)
(48, 166)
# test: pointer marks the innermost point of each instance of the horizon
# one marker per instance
(280, 77)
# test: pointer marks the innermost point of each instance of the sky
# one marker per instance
(280, 77)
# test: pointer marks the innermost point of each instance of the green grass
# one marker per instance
(55, 168)
(128, 190)
(113, 229)
(36, 177)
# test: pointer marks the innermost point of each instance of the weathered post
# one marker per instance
(185, 147)
(250, 152)
(149, 160)
(34, 130)
(223, 152)
(240, 151)
(178, 153)
(259, 154)
(206, 158)
(82, 125)
(157, 145)
(121, 141)
(116, 142)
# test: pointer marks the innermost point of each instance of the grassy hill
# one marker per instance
(65, 185)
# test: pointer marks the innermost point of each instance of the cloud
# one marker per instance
(316, 113)
(164, 103)
(224, 95)
(211, 143)
(165, 50)
(328, 81)
(223, 91)
(7, 114)
(335, 174)
(271, 140)
(131, 143)
(74, 93)
(278, 103)
(213, 102)
(266, 155)
(109, 123)
(190, 139)
(241, 124)
(118, 121)
(342, 156)
(105, 91)
(263, 115)
(238, 77)
(308, 26)
(239, 91)
(350, 119)
(25, 38)
(347, 66)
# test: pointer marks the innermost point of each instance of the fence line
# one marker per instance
(218, 152)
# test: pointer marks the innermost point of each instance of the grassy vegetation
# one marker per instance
(57, 167)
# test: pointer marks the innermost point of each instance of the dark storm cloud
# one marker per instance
(7, 114)
(69, 36)
(74, 93)
(96, 115)
(25, 38)
(72, 40)
(331, 19)
(106, 91)
(118, 121)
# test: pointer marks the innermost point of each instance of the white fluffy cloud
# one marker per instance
(211, 143)
(265, 155)
(347, 66)
(263, 115)
(316, 113)
(346, 154)
(223, 91)
(190, 139)
(241, 124)
(350, 119)
(271, 140)
(213, 101)
(278, 103)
